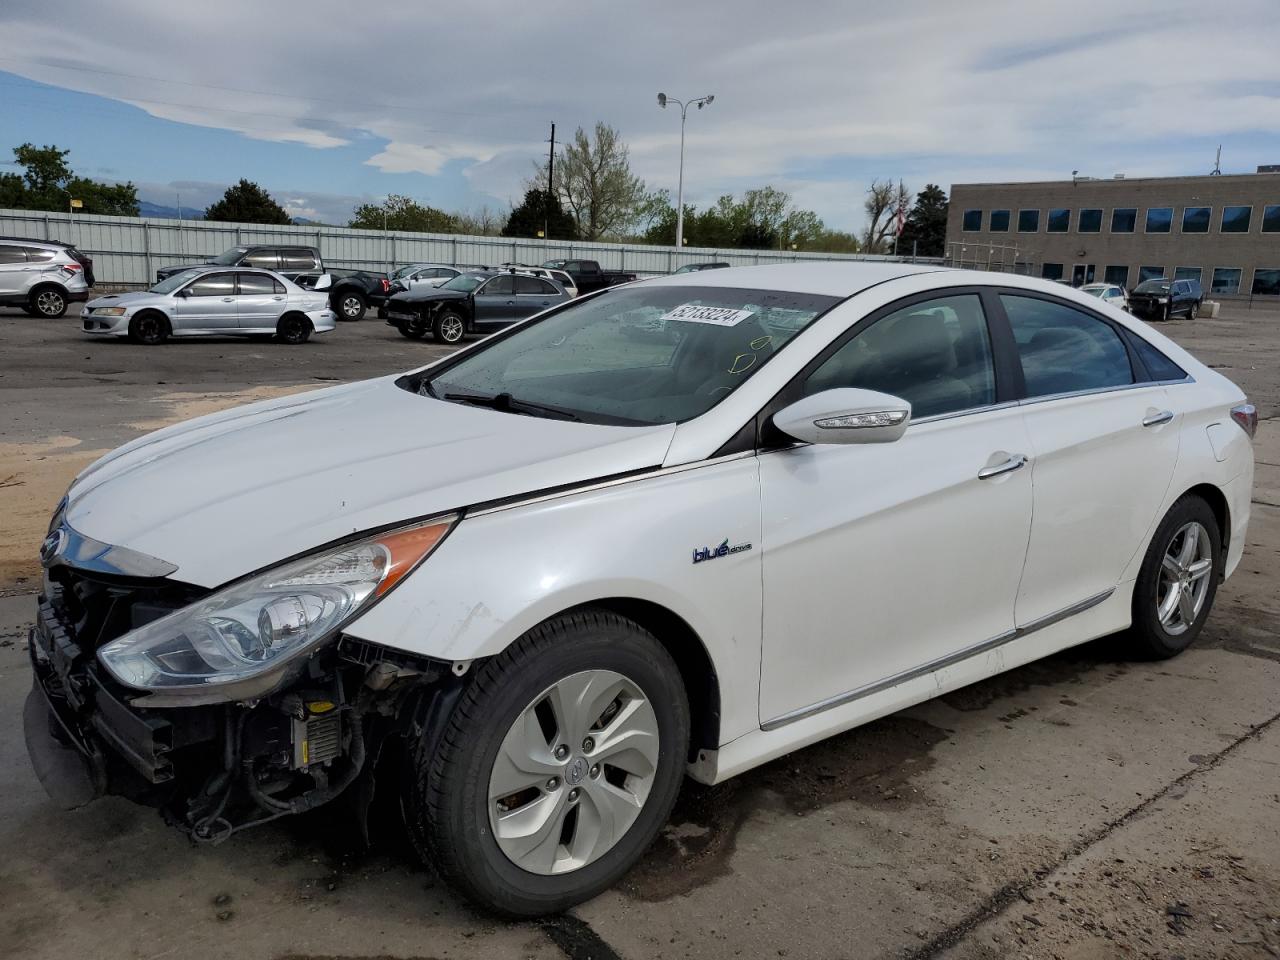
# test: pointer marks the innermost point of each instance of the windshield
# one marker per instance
(230, 257)
(556, 264)
(637, 355)
(1153, 286)
(464, 282)
(172, 282)
(404, 271)
(1094, 291)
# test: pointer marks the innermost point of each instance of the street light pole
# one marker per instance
(663, 100)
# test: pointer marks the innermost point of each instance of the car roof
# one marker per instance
(39, 243)
(833, 278)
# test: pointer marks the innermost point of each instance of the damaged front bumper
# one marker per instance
(212, 769)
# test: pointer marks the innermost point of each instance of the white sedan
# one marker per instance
(556, 572)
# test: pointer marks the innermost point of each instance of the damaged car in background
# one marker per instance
(524, 591)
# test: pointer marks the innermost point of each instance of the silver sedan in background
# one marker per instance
(214, 302)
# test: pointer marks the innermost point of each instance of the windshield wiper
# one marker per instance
(506, 403)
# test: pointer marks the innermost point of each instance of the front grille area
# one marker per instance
(95, 610)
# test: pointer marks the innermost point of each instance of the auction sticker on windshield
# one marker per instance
(716, 316)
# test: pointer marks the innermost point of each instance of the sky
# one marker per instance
(327, 108)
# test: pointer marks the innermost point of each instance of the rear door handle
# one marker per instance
(1155, 419)
(277, 298)
(228, 299)
(1015, 462)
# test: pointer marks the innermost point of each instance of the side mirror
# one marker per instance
(324, 282)
(845, 415)
(183, 293)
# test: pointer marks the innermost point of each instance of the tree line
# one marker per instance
(594, 196)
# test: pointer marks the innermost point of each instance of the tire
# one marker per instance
(1193, 311)
(48, 302)
(1153, 636)
(448, 800)
(448, 327)
(149, 327)
(414, 329)
(293, 328)
(350, 305)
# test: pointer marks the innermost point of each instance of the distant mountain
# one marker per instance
(148, 209)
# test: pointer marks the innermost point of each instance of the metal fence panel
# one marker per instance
(127, 250)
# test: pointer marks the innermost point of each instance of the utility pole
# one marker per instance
(551, 186)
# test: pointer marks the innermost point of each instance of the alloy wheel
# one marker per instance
(451, 329)
(573, 772)
(50, 303)
(1184, 578)
(351, 307)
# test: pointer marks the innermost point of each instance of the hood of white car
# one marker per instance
(236, 491)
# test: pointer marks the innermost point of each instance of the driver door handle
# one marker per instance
(1155, 419)
(228, 299)
(1015, 462)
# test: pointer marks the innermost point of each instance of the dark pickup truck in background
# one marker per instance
(587, 275)
(353, 291)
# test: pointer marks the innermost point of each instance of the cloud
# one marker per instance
(822, 98)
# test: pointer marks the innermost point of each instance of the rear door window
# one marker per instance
(1064, 350)
(298, 259)
(40, 255)
(256, 284)
(12, 254)
(498, 287)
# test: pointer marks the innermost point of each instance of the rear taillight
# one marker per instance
(72, 268)
(386, 284)
(1246, 414)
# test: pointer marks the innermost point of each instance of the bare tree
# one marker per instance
(481, 222)
(595, 183)
(881, 204)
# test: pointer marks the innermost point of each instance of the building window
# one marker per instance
(1090, 221)
(972, 221)
(1236, 219)
(1187, 273)
(1196, 219)
(1116, 274)
(1124, 219)
(1266, 282)
(999, 221)
(1028, 221)
(1059, 220)
(1225, 280)
(1051, 271)
(1150, 273)
(1159, 219)
(1271, 219)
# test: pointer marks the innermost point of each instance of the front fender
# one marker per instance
(502, 572)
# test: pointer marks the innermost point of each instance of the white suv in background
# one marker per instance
(42, 276)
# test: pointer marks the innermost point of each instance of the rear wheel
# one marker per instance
(48, 302)
(449, 327)
(293, 328)
(149, 327)
(351, 305)
(556, 769)
(1178, 580)
(1193, 311)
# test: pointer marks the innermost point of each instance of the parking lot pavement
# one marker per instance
(1083, 806)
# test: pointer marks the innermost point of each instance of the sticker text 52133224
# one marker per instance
(716, 316)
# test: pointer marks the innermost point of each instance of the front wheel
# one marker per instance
(1178, 580)
(351, 305)
(449, 327)
(150, 328)
(557, 768)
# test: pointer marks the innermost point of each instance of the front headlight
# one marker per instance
(108, 311)
(254, 626)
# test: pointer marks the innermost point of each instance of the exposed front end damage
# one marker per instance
(211, 768)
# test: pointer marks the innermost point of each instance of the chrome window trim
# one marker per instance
(933, 666)
(1027, 401)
